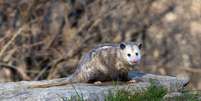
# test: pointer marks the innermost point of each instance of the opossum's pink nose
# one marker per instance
(134, 61)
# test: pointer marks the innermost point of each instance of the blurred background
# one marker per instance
(44, 39)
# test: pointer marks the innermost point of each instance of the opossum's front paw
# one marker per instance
(97, 82)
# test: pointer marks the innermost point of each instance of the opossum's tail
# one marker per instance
(57, 82)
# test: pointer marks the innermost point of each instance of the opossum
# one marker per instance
(106, 62)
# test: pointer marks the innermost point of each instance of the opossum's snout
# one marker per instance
(134, 61)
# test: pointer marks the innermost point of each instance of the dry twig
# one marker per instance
(11, 41)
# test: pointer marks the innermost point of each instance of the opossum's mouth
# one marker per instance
(133, 62)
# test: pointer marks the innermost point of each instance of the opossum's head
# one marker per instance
(131, 52)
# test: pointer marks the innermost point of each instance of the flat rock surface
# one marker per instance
(19, 91)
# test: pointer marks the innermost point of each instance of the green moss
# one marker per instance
(187, 96)
(153, 93)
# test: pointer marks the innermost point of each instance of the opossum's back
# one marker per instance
(90, 55)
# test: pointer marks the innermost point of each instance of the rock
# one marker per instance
(19, 91)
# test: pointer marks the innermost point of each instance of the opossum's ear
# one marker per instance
(140, 45)
(122, 46)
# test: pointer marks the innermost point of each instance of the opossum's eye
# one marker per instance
(122, 46)
(128, 54)
(136, 54)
